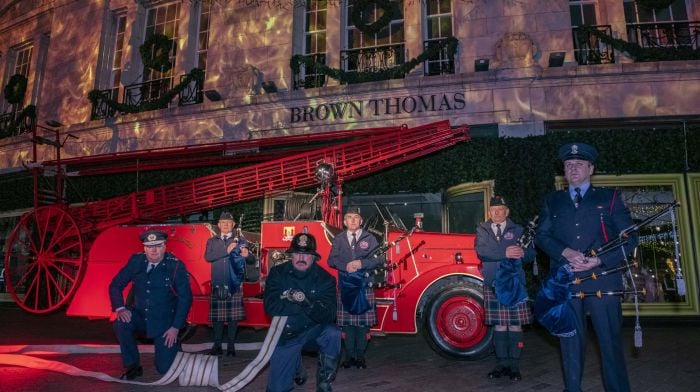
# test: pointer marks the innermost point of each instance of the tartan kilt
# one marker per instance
(498, 314)
(227, 309)
(366, 319)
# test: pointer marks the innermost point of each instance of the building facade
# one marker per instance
(84, 78)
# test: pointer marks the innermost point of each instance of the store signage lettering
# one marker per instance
(378, 107)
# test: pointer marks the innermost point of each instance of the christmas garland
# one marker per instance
(359, 6)
(96, 96)
(642, 54)
(155, 52)
(655, 4)
(15, 89)
(358, 77)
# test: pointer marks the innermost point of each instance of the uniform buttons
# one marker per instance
(148, 291)
(577, 224)
(578, 237)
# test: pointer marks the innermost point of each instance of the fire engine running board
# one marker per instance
(190, 369)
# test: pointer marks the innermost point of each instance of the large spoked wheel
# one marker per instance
(453, 323)
(44, 260)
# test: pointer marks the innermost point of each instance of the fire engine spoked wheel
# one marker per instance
(453, 322)
(44, 260)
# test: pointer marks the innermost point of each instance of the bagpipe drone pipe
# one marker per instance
(551, 309)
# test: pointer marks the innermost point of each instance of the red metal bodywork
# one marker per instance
(422, 259)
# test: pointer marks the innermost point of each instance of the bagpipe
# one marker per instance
(352, 284)
(509, 283)
(550, 305)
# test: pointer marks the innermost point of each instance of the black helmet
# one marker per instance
(303, 243)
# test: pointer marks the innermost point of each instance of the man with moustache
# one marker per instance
(306, 293)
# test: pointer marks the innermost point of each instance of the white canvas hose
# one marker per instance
(188, 368)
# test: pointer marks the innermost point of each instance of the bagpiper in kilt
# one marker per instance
(227, 255)
(505, 296)
(352, 254)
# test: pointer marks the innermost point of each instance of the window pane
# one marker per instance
(576, 17)
(589, 17)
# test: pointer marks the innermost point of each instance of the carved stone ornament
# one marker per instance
(248, 78)
(515, 50)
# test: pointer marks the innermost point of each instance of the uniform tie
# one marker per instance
(150, 268)
(499, 233)
(354, 241)
(577, 197)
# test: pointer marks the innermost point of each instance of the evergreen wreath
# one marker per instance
(655, 4)
(15, 89)
(155, 52)
(358, 21)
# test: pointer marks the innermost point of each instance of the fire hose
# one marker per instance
(189, 369)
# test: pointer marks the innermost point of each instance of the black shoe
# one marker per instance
(231, 352)
(361, 363)
(216, 350)
(348, 363)
(515, 376)
(499, 372)
(132, 372)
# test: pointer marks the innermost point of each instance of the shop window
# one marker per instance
(665, 248)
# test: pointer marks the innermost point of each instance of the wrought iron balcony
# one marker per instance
(441, 63)
(589, 49)
(374, 59)
(15, 123)
(309, 77)
(101, 109)
(192, 93)
(142, 93)
(676, 35)
(147, 96)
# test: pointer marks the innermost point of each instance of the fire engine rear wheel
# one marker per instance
(44, 260)
(453, 323)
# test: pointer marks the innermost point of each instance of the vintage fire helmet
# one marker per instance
(303, 243)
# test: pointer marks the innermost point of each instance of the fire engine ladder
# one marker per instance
(350, 160)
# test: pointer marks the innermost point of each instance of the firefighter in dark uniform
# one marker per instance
(161, 300)
(228, 255)
(306, 293)
(573, 221)
(505, 296)
(353, 252)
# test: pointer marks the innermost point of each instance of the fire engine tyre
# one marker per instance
(44, 261)
(453, 323)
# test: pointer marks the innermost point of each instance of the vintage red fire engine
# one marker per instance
(60, 255)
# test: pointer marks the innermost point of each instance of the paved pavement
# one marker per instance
(666, 362)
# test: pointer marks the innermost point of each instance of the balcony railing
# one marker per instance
(441, 63)
(374, 59)
(101, 109)
(676, 35)
(145, 95)
(589, 49)
(309, 77)
(142, 93)
(192, 93)
(14, 123)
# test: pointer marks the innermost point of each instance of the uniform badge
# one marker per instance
(574, 149)
(152, 237)
(508, 236)
(364, 245)
(303, 241)
(288, 233)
